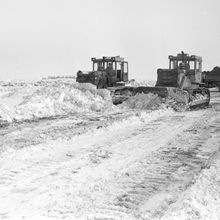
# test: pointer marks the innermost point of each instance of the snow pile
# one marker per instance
(152, 101)
(143, 101)
(201, 200)
(52, 99)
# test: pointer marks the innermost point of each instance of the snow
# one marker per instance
(202, 199)
(93, 158)
(152, 102)
(103, 174)
(51, 99)
(20, 101)
(138, 160)
(143, 101)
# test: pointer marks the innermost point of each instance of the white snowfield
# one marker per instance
(67, 153)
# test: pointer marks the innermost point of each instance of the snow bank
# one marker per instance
(51, 99)
(143, 101)
(202, 199)
(151, 102)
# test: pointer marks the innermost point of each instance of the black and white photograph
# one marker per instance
(109, 110)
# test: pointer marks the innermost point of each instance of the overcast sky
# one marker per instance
(58, 37)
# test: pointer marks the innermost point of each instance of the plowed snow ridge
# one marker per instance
(56, 98)
(53, 99)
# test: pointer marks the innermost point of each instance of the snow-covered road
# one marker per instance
(126, 165)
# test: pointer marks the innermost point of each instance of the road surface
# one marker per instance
(126, 165)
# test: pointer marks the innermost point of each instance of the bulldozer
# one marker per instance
(182, 81)
(107, 72)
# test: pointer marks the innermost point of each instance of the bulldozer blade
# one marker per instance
(121, 94)
(187, 98)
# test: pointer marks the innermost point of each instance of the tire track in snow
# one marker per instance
(20, 135)
(156, 182)
(163, 175)
(147, 182)
(21, 171)
(114, 176)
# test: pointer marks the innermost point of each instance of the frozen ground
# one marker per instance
(110, 163)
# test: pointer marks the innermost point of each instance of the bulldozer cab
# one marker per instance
(115, 67)
(191, 64)
(181, 64)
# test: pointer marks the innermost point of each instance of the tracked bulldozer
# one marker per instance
(182, 82)
(107, 72)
